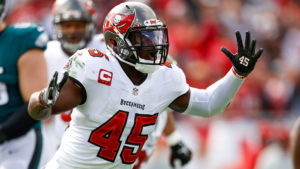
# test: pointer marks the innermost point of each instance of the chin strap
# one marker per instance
(139, 67)
(146, 68)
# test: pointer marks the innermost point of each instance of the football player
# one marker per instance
(22, 71)
(73, 29)
(117, 96)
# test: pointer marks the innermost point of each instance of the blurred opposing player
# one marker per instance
(73, 29)
(22, 71)
(117, 96)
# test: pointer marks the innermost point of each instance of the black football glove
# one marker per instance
(180, 152)
(244, 60)
(49, 96)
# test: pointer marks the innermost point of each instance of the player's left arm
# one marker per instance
(180, 153)
(217, 97)
(32, 69)
(32, 76)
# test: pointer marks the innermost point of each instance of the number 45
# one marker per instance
(244, 61)
(107, 136)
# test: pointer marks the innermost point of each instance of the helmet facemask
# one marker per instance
(147, 46)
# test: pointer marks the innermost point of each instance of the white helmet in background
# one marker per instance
(73, 10)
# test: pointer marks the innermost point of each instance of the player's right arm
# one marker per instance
(56, 98)
(61, 95)
(216, 98)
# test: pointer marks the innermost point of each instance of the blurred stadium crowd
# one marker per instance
(253, 133)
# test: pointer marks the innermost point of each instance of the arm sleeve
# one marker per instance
(215, 98)
(18, 124)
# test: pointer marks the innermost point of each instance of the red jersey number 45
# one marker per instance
(108, 137)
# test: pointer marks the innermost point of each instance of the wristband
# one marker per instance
(173, 138)
(40, 102)
(237, 75)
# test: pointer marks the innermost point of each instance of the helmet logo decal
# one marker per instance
(151, 22)
(121, 21)
(117, 19)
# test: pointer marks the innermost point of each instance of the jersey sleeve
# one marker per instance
(178, 79)
(76, 66)
(33, 36)
(76, 69)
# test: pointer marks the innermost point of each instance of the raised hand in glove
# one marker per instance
(49, 95)
(181, 153)
(244, 60)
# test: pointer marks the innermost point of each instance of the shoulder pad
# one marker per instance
(29, 26)
(35, 35)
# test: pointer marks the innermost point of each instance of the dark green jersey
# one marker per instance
(15, 40)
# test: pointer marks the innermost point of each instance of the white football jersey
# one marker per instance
(151, 142)
(156, 134)
(56, 58)
(54, 129)
(109, 129)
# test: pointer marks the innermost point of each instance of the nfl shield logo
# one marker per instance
(135, 91)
